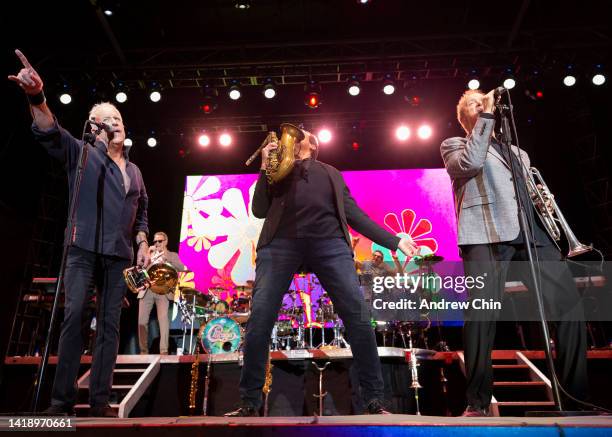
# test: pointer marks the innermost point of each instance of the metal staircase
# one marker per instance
(518, 385)
(131, 378)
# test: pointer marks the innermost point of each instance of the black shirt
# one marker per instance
(310, 210)
(107, 218)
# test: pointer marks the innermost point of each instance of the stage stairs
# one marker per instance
(518, 385)
(132, 376)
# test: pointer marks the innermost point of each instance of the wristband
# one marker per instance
(36, 99)
(140, 242)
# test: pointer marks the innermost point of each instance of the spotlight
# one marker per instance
(598, 79)
(155, 94)
(242, 5)
(413, 100)
(353, 88)
(569, 80)
(402, 133)
(388, 85)
(424, 132)
(127, 142)
(355, 146)
(65, 98)
(324, 135)
(312, 99)
(204, 140)
(269, 89)
(225, 139)
(234, 91)
(363, 2)
(474, 84)
(151, 142)
(509, 83)
(120, 92)
(108, 12)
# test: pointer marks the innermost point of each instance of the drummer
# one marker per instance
(159, 253)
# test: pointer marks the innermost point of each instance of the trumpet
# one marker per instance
(281, 160)
(551, 215)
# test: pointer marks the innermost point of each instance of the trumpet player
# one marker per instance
(489, 238)
(307, 215)
(159, 253)
(111, 214)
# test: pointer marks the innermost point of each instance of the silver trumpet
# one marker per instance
(551, 215)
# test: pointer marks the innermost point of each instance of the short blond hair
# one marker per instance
(163, 234)
(96, 108)
(461, 115)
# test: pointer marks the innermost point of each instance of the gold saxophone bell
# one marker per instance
(160, 278)
(281, 160)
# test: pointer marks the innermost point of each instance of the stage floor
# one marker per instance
(341, 426)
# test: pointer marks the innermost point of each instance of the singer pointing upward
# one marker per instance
(110, 215)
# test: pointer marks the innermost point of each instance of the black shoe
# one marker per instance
(376, 406)
(58, 410)
(102, 411)
(471, 411)
(244, 410)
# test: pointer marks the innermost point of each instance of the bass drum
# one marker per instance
(220, 335)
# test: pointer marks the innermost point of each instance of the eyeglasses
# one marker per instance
(158, 241)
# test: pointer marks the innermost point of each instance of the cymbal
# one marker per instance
(243, 288)
(189, 293)
(216, 289)
(428, 259)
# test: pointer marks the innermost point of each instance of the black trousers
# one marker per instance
(562, 299)
(332, 261)
(84, 270)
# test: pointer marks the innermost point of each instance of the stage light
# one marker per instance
(474, 84)
(155, 92)
(414, 100)
(569, 80)
(324, 135)
(355, 145)
(598, 79)
(402, 133)
(225, 139)
(127, 142)
(234, 90)
(65, 98)
(539, 94)
(269, 89)
(388, 85)
(509, 83)
(242, 5)
(121, 97)
(424, 131)
(312, 98)
(353, 87)
(363, 2)
(151, 142)
(204, 140)
(108, 12)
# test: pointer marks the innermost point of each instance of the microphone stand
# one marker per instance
(506, 114)
(88, 138)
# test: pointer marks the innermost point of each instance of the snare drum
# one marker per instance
(220, 335)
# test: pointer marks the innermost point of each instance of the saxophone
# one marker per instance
(281, 160)
(195, 376)
(267, 388)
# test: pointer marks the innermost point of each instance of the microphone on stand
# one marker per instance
(497, 93)
(103, 126)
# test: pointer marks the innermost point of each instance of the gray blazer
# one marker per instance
(482, 186)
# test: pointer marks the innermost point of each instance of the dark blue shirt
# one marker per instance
(107, 219)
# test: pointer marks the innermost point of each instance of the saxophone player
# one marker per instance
(306, 223)
(159, 253)
(489, 238)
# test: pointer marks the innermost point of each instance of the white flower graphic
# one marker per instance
(242, 230)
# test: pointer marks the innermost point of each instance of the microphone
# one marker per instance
(497, 93)
(102, 126)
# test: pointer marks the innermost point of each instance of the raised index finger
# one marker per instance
(23, 59)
